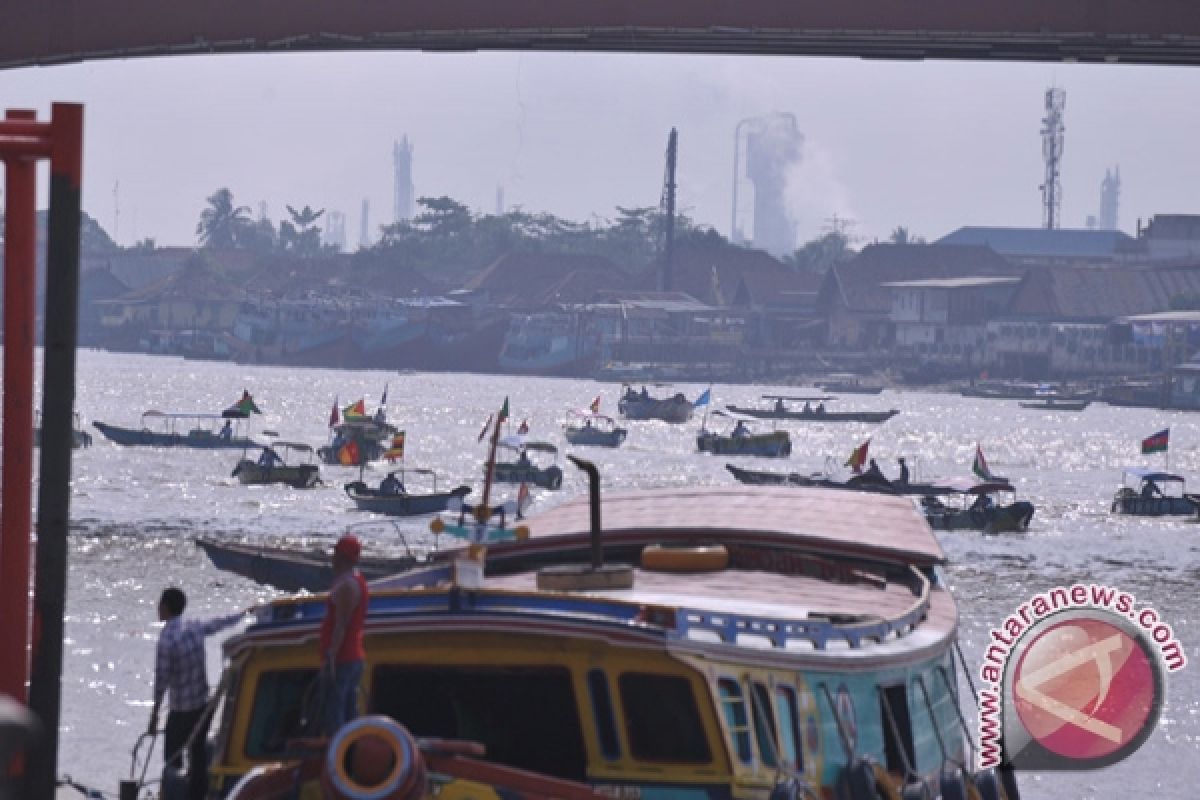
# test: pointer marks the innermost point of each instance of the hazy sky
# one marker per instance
(928, 145)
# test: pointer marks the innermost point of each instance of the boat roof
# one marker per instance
(805, 398)
(1147, 474)
(518, 442)
(184, 415)
(881, 527)
(587, 413)
(972, 486)
(298, 446)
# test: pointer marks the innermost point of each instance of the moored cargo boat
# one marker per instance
(740, 642)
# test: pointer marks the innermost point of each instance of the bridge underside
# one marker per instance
(41, 32)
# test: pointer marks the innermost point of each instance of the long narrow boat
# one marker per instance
(173, 429)
(810, 413)
(1055, 404)
(290, 569)
(742, 642)
(755, 477)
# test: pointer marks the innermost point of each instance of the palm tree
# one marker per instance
(222, 224)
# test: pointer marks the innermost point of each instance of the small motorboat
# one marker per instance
(741, 442)
(523, 469)
(782, 410)
(983, 513)
(1055, 404)
(1151, 493)
(294, 467)
(592, 429)
(393, 496)
(174, 429)
(357, 440)
(675, 409)
(824, 480)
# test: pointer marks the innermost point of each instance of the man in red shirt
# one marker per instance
(341, 642)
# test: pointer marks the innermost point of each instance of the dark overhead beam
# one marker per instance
(42, 32)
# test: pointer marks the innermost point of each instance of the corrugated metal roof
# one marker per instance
(1034, 242)
(953, 283)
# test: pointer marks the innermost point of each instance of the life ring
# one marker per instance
(703, 558)
(865, 779)
(393, 755)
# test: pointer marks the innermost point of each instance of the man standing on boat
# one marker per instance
(341, 643)
(179, 668)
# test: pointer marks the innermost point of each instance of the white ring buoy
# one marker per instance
(705, 558)
(406, 777)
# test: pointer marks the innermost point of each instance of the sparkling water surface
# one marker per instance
(135, 512)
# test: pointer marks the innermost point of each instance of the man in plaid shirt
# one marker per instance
(179, 670)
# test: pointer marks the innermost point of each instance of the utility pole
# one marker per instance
(669, 202)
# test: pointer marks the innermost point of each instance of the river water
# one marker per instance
(135, 512)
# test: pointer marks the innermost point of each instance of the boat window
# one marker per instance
(662, 721)
(764, 725)
(526, 717)
(734, 707)
(895, 699)
(602, 710)
(791, 748)
(282, 705)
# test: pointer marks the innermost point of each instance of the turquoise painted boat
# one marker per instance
(716, 642)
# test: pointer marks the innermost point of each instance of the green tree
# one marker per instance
(223, 225)
(822, 253)
(300, 235)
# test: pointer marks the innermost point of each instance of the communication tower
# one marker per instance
(402, 163)
(1110, 191)
(1052, 150)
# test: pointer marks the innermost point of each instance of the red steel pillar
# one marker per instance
(20, 246)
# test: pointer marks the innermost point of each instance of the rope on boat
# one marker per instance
(966, 670)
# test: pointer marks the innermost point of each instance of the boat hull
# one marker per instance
(291, 570)
(548, 478)
(765, 445)
(1055, 405)
(302, 476)
(675, 410)
(1135, 505)
(594, 437)
(197, 439)
(1011, 518)
(813, 416)
(402, 505)
(755, 477)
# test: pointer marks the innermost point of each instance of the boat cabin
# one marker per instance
(762, 637)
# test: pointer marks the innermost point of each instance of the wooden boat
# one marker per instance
(847, 383)
(1151, 493)
(1055, 404)
(810, 413)
(640, 405)
(523, 469)
(290, 569)
(173, 429)
(979, 510)
(277, 463)
(588, 428)
(754, 477)
(394, 498)
(773, 646)
(79, 437)
(741, 442)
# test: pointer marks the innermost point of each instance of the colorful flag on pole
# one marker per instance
(395, 451)
(704, 398)
(1156, 443)
(349, 454)
(383, 400)
(980, 467)
(596, 405)
(333, 413)
(503, 415)
(244, 407)
(355, 410)
(486, 426)
(524, 427)
(858, 457)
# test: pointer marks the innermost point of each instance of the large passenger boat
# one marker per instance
(740, 642)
